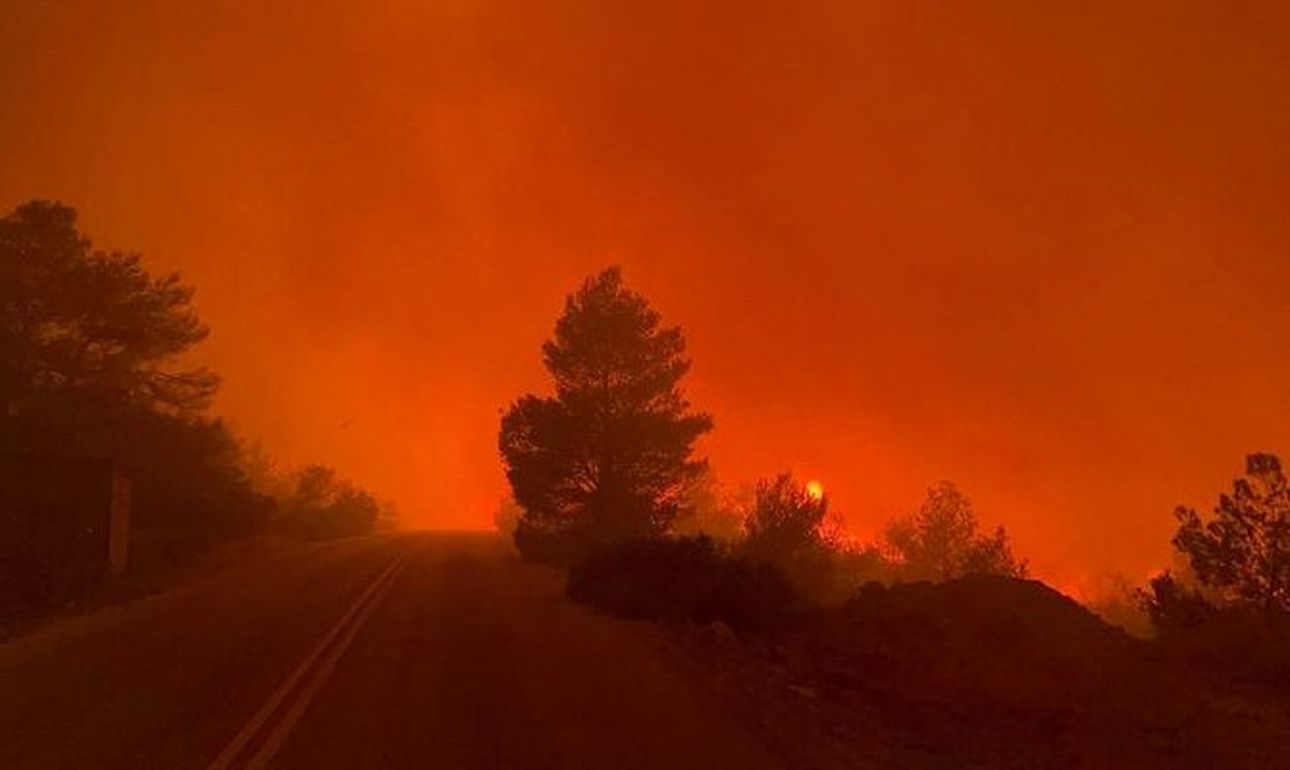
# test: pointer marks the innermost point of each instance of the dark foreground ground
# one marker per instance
(391, 652)
(993, 673)
(420, 650)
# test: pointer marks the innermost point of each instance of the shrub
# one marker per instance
(325, 506)
(1174, 606)
(681, 579)
(786, 521)
(793, 530)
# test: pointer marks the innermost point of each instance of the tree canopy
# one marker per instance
(786, 521)
(942, 540)
(88, 325)
(610, 455)
(94, 362)
(1242, 553)
(91, 363)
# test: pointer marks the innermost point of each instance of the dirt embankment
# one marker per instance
(984, 673)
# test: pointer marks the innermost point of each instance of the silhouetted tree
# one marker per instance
(609, 457)
(942, 541)
(786, 521)
(1242, 553)
(87, 326)
(90, 364)
(791, 529)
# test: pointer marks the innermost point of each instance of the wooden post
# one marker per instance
(119, 526)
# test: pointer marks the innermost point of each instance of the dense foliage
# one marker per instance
(93, 364)
(91, 349)
(609, 457)
(786, 521)
(89, 330)
(1227, 608)
(1242, 553)
(790, 528)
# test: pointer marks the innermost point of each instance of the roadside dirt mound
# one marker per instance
(1015, 638)
(984, 672)
(985, 614)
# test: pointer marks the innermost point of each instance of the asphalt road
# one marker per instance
(408, 651)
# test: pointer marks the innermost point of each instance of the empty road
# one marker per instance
(404, 651)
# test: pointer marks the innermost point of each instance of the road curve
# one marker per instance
(406, 651)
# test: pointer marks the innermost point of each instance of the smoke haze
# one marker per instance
(1041, 252)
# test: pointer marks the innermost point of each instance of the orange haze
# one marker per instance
(1038, 248)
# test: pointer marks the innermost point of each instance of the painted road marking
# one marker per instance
(275, 719)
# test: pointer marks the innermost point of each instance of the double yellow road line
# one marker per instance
(259, 740)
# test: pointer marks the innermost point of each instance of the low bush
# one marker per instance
(682, 579)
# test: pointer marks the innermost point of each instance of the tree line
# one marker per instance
(607, 460)
(94, 362)
(603, 472)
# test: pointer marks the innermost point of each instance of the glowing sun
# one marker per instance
(814, 489)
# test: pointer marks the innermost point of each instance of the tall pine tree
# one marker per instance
(609, 456)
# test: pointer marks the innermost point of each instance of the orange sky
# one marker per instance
(1041, 253)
